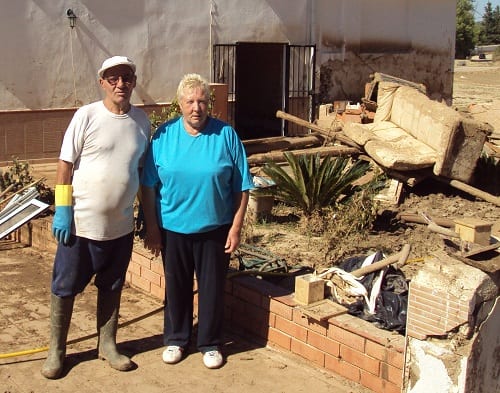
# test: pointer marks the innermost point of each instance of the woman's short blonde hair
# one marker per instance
(190, 82)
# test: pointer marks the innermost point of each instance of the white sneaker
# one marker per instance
(172, 354)
(212, 359)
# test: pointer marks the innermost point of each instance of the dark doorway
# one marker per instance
(261, 83)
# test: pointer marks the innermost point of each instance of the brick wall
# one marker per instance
(434, 312)
(267, 314)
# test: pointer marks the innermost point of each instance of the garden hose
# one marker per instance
(80, 339)
(147, 315)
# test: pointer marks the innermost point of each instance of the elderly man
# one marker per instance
(96, 184)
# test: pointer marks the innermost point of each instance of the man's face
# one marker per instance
(118, 83)
(194, 108)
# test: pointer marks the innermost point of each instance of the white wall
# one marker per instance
(45, 64)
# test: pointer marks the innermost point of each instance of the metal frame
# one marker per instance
(19, 211)
(301, 60)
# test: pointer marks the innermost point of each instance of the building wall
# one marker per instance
(47, 65)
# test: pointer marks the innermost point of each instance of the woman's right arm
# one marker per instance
(152, 240)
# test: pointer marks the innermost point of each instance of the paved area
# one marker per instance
(24, 326)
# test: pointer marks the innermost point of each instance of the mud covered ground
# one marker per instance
(476, 94)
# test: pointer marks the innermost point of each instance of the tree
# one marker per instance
(489, 30)
(465, 39)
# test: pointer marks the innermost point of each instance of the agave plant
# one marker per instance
(313, 182)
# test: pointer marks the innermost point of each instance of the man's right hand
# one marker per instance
(61, 224)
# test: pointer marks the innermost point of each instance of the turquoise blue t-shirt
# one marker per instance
(196, 176)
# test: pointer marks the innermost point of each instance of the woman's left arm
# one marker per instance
(240, 208)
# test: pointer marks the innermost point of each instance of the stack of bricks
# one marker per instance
(449, 345)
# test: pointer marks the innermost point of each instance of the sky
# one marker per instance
(480, 4)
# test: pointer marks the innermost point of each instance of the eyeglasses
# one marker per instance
(113, 80)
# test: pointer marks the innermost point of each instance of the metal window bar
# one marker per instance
(224, 62)
(301, 85)
(302, 63)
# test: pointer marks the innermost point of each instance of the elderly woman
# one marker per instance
(195, 186)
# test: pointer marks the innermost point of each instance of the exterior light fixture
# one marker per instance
(72, 17)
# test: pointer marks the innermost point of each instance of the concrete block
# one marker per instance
(473, 230)
(309, 289)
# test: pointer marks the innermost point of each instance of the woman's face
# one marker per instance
(194, 108)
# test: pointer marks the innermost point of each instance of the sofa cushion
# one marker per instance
(391, 146)
(359, 133)
(431, 122)
(385, 96)
(394, 148)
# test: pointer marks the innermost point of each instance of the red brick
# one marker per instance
(251, 319)
(323, 343)
(439, 299)
(434, 303)
(442, 318)
(427, 326)
(281, 309)
(386, 354)
(272, 320)
(158, 292)
(377, 384)
(157, 267)
(347, 338)
(141, 260)
(141, 283)
(391, 374)
(275, 336)
(291, 328)
(342, 368)
(415, 332)
(152, 277)
(308, 352)
(365, 329)
(134, 268)
(360, 359)
(248, 295)
(317, 326)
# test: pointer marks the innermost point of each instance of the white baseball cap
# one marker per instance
(115, 61)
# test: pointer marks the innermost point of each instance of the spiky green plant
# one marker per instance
(313, 182)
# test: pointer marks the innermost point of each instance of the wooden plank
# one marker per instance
(331, 134)
(260, 159)
(323, 310)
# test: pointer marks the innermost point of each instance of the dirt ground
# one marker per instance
(24, 326)
(25, 281)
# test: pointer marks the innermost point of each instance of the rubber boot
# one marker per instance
(60, 318)
(108, 305)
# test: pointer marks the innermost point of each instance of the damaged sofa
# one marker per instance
(412, 132)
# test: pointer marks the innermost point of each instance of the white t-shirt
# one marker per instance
(107, 151)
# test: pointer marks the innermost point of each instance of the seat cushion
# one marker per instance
(402, 153)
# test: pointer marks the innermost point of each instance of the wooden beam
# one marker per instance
(330, 134)
(470, 190)
(260, 159)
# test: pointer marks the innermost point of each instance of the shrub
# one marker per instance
(315, 183)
